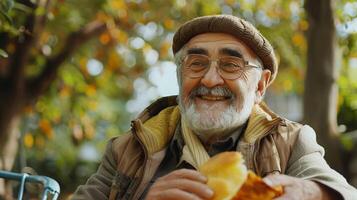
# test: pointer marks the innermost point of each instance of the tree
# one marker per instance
(39, 38)
(18, 91)
(48, 88)
(321, 89)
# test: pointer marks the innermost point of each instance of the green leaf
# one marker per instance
(5, 16)
(40, 11)
(22, 7)
(347, 142)
(6, 5)
(3, 54)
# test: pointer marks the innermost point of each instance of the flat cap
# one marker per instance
(232, 25)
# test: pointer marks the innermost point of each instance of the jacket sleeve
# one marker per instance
(98, 185)
(307, 162)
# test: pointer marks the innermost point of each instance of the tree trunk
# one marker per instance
(8, 149)
(10, 109)
(8, 155)
(321, 92)
(18, 91)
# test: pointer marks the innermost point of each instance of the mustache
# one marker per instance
(215, 91)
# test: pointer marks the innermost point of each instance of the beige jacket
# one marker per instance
(270, 144)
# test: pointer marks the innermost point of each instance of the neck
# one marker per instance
(209, 139)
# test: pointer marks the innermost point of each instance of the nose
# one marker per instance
(212, 78)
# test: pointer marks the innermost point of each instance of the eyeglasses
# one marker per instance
(229, 67)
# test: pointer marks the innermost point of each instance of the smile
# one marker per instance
(213, 98)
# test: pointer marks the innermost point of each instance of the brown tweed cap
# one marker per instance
(232, 25)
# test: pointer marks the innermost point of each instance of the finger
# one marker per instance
(290, 193)
(176, 194)
(187, 174)
(277, 179)
(194, 187)
(286, 197)
(283, 198)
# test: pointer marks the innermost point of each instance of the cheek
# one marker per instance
(240, 88)
(187, 86)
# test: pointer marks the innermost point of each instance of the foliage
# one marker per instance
(346, 16)
(5, 7)
(86, 104)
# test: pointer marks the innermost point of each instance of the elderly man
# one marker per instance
(224, 66)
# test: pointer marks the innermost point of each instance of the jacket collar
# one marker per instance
(261, 121)
(157, 123)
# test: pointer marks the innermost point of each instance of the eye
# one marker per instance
(230, 66)
(198, 64)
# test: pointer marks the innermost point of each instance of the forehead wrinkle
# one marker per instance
(213, 42)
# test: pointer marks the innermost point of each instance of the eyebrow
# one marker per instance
(230, 52)
(197, 51)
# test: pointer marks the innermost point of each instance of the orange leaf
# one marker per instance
(303, 25)
(46, 128)
(91, 90)
(28, 140)
(299, 40)
(104, 38)
(169, 23)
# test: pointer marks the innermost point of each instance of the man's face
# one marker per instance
(211, 104)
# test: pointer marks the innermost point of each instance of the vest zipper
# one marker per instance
(134, 130)
(257, 143)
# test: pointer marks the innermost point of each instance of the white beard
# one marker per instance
(210, 124)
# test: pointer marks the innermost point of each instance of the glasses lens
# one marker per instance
(231, 67)
(196, 65)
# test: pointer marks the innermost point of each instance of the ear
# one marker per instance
(262, 85)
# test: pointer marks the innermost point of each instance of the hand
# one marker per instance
(300, 189)
(181, 185)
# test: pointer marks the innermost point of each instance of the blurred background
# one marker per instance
(73, 73)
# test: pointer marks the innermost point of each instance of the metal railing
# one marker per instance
(50, 185)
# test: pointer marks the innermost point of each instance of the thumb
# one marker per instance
(274, 180)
